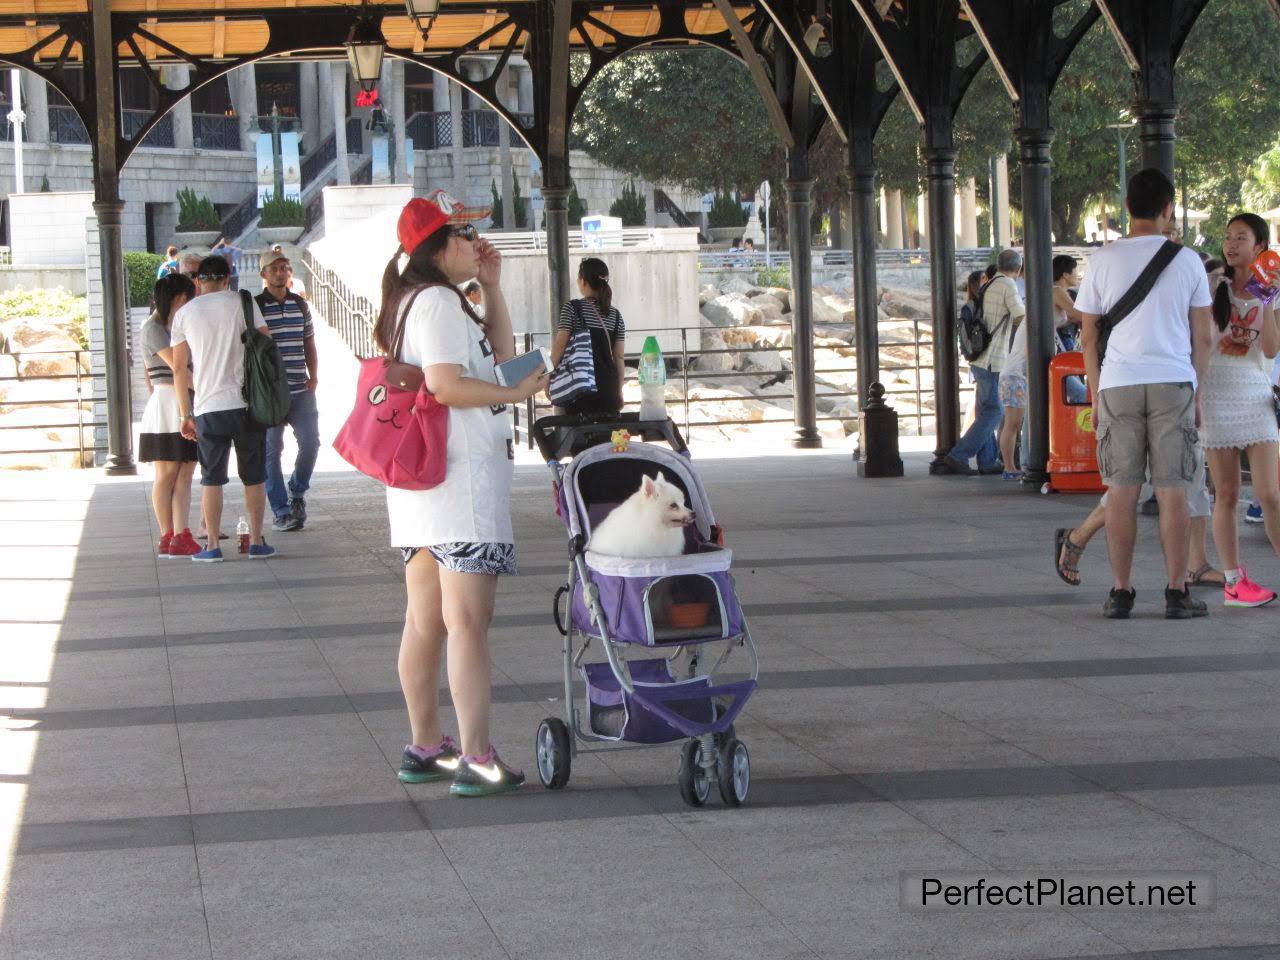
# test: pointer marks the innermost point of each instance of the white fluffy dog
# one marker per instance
(649, 523)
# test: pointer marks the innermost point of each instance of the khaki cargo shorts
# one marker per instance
(1151, 425)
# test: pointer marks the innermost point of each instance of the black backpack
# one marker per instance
(975, 338)
(266, 385)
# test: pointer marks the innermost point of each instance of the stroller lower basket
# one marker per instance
(614, 713)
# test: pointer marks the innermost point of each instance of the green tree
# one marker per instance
(631, 206)
(691, 117)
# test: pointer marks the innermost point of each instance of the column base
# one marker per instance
(807, 440)
(122, 466)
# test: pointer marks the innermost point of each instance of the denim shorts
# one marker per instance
(217, 433)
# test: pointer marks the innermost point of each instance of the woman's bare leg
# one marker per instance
(1224, 465)
(420, 647)
(1266, 487)
(182, 497)
(1009, 430)
(162, 493)
(467, 601)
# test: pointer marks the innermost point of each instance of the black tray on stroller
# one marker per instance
(566, 436)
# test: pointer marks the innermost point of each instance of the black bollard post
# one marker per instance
(878, 437)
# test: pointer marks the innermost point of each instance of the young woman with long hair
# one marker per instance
(1237, 410)
(594, 311)
(456, 537)
(161, 441)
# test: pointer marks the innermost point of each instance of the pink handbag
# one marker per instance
(398, 431)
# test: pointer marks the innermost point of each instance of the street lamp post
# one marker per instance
(1122, 133)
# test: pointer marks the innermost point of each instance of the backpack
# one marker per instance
(266, 386)
(975, 338)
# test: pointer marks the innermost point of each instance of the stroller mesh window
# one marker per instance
(684, 607)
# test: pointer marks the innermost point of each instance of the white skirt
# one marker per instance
(1237, 407)
(160, 436)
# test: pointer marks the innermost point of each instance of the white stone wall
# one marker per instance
(350, 207)
(47, 229)
(597, 185)
(150, 176)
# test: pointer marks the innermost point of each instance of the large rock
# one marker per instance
(709, 292)
(831, 309)
(898, 303)
(730, 310)
(769, 361)
(712, 340)
(783, 296)
(769, 305)
(738, 285)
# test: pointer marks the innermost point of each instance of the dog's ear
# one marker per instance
(649, 487)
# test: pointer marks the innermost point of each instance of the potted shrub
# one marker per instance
(726, 218)
(198, 223)
(281, 220)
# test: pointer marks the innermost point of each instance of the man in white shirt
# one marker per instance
(206, 331)
(1002, 311)
(1146, 405)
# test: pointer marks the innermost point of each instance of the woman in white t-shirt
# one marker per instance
(456, 537)
(1237, 410)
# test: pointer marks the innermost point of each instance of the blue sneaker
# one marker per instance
(260, 551)
(208, 556)
(1253, 514)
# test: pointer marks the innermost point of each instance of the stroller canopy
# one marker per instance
(599, 479)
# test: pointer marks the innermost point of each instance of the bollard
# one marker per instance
(877, 454)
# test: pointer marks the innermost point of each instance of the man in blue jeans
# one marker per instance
(289, 320)
(1002, 311)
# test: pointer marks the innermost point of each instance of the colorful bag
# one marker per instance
(575, 376)
(398, 431)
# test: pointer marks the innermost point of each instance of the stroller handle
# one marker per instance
(561, 437)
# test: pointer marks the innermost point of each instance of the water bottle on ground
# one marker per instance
(242, 534)
(653, 382)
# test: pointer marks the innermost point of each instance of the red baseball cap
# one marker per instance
(419, 219)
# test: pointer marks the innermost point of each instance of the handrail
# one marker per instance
(80, 400)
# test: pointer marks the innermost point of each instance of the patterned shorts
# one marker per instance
(1013, 391)
(463, 557)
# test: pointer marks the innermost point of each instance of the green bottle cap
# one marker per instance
(651, 346)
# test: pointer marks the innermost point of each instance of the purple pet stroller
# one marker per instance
(684, 609)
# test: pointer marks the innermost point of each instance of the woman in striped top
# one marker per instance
(161, 441)
(594, 311)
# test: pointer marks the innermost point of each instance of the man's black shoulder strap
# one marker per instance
(246, 304)
(1142, 286)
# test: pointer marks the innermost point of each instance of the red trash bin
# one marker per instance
(1073, 446)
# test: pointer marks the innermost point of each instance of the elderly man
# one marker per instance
(1002, 311)
(289, 320)
(206, 332)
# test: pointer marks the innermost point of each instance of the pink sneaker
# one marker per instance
(1246, 593)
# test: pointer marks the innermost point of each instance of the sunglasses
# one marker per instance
(465, 232)
(1248, 334)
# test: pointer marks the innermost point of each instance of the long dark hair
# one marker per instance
(421, 271)
(1062, 265)
(1222, 296)
(593, 272)
(167, 289)
(973, 284)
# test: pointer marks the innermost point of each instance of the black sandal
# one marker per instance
(1196, 578)
(1070, 565)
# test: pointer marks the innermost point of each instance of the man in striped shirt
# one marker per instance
(289, 321)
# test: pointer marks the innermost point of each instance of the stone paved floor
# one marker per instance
(199, 761)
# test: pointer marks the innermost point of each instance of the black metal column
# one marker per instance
(110, 212)
(557, 207)
(940, 157)
(862, 206)
(1034, 145)
(1156, 129)
(800, 207)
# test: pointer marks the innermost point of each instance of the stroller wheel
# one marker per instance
(692, 779)
(552, 751)
(734, 773)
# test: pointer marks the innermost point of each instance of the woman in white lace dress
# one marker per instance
(1237, 410)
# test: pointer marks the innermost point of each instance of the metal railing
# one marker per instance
(349, 313)
(355, 135)
(214, 131)
(480, 128)
(827, 394)
(430, 130)
(82, 403)
(161, 135)
(65, 125)
(319, 158)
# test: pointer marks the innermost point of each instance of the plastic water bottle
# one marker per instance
(653, 381)
(242, 534)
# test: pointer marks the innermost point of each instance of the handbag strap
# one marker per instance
(246, 307)
(397, 342)
(581, 321)
(1141, 287)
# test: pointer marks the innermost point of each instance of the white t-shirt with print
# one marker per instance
(472, 505)
(211, 325)
(1153, 343)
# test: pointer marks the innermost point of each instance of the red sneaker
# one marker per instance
(1245, 593)
(162, 548)
(183, 545)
